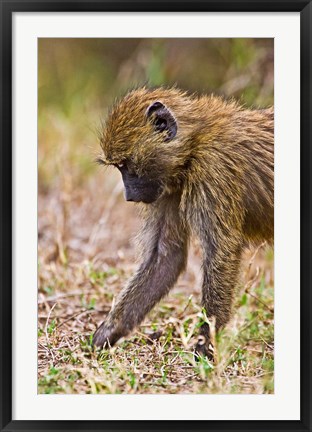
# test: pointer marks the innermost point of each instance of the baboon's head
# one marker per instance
(145, 137)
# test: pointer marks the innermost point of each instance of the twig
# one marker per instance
(60, 296)
(247, 290)
(74, 316)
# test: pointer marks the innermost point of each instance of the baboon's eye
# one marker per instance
(119, 165)
(162, 119)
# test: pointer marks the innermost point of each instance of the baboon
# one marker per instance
(199, 165)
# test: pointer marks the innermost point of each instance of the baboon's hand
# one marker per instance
(106, 335)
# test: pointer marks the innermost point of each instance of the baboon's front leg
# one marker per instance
(221, 269)
(165, 258)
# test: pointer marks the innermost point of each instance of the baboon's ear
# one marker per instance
(162, 120)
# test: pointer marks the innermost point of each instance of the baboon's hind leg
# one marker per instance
(219, 282)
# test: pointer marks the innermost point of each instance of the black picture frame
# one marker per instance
(7, 10)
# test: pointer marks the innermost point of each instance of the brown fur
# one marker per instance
(218, 184)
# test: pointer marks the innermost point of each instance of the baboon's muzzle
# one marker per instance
(139, 189)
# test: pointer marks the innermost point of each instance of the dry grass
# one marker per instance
(85, 257)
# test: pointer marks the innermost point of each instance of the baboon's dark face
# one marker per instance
(139, 189)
